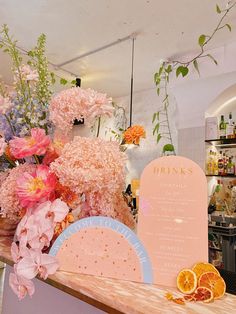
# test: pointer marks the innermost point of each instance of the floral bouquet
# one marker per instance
(46, 181)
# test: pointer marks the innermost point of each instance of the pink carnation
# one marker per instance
(77, 103)
(97, 168)
(9, 201)
(35, 186)
(66, 106)
(36, 144)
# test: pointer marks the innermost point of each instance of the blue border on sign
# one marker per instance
(120, 228)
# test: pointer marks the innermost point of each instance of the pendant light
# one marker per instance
(78, 84)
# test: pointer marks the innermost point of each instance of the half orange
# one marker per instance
(203, 294)
(187, 281)
(214, 282)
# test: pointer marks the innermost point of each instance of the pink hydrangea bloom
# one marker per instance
(36, 186)
(9, 201)
(36, 144)
(77, 103)
(3, 145)
(29, 74)
(5, 104)
(66, 106)
(96, 168)
(99, 105)
(21, 286)
(37, 264)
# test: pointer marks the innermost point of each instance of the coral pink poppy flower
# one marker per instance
(37, 264)
(36, 144)
(36, 187)
(21, 286)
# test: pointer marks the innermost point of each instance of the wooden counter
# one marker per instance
(116, 296)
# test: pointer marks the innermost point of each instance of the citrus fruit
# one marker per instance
(203, 294)
(201, 268)
(187, 281)
(214, 282)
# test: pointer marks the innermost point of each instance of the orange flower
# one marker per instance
(67, 196)
(133, 134)
(61, 226)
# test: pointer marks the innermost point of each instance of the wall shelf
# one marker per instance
(225, 176)
(226, 142)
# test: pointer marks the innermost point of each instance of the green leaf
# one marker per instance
(73, 82)
(169, 69)
(218, 10)
(158, 91)
(158, 115)
(201, 40)
(63, 81)
(158, 138)
(156, 76)
(181, 70)
(195, 63)
(156, 129)
(229, 27)
(121, 130)
(53, 80)
(154, 117)
(213, 59)
(160, 70)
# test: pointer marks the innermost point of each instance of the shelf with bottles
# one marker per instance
(221, 163)
(222, 176)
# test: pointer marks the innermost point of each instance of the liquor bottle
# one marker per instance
(230, 127)
(215, 164)
(210, 163)
(230, 167)
(222, 128)
(220, 165)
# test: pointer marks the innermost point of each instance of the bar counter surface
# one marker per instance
(116, 296)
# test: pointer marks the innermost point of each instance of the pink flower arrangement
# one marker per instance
(97, 173)
(77, 103)
(36, 186)
(36, 144)
(34, 233)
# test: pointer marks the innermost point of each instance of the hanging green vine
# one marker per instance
(162, 77)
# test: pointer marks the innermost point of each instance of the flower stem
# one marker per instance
(9, 122)
(36, 159)
(99, 125)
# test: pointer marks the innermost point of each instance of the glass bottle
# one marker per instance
(222, 128)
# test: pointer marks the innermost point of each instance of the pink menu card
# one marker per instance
(172, 221)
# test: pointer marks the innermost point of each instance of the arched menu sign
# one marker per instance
(172, 221)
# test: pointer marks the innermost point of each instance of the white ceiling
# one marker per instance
(74, 27)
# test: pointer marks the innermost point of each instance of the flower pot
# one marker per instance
(7, 227)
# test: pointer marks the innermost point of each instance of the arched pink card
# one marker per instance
(172, 220)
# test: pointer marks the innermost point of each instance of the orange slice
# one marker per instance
(201, 268)
(214, 282)
(203, 294)
(187, 281)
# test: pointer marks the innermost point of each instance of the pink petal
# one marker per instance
(27, 268)
(14, 252)
(60, 210)
(49, 265)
